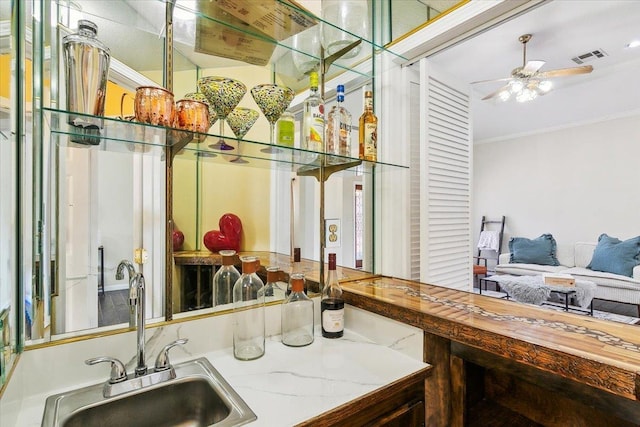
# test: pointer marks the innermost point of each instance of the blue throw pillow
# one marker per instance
(540, 251)
(612, 255)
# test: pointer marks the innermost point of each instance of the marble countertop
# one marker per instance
(289, 385)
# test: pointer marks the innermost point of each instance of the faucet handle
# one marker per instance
(162, 361)
(118, 371)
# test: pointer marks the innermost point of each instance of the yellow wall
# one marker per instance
(242, 190)
(5, 77)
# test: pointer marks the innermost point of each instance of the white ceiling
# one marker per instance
(562, 29)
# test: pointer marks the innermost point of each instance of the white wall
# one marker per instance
(575, 183)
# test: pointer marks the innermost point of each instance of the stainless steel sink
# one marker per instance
(198, 396)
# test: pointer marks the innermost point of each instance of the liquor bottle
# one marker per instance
(285, 129)
(297, 315)
(368, 124)
(224, 279)
(312, 136)
(332, 304)
(248, 306)
(338, 138)
(274, 289)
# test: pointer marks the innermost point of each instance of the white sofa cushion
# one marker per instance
(528, 269)
(604, 279)
(566, 255)
(583, 253)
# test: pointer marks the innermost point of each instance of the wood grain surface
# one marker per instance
(598, 353)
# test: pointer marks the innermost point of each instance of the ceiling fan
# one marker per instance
(527, 82)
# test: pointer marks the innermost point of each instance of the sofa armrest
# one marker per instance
(504, 258)
(636, 272)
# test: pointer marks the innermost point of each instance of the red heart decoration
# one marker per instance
(228, 237)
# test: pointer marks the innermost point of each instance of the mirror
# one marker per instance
(102, 205)
(564, 162)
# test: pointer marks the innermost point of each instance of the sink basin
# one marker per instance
(198, 396)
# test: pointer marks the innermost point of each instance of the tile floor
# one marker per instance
(113, 308)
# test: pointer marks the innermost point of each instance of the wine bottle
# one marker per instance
(312, 136)
(338, 138)
(368, 124)
(297, 315)
(332, 304)
(248, 306)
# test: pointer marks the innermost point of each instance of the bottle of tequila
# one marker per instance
(338, 138)
(368, 124)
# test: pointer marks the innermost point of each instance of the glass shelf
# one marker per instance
(207, 37)
(125, 136)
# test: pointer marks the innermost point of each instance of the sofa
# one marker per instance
(574, 260)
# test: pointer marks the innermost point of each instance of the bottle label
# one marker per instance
(285, 132)
(316, 129)
(370, 140)
(333, 320)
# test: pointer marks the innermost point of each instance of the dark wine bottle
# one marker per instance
(332, 304)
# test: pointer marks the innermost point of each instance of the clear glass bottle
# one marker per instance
(338, 138)
(274, 289)
(248, 306)
(86, 72)
(332, 304)
(312, 134)
(285, 130)
(225, 278)
(297, 315)
(368, 127)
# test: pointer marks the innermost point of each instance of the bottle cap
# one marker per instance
(250, 264)
(296, 254)
(313, 79)
(332, 261)
(368, 94)
(340, 89)
(228, 257)
(273, 274)
(84, 24)
(297, 282)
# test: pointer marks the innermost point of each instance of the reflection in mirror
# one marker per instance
(107, 199)
(15, 119)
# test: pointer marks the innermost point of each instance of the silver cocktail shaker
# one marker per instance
(86, 70)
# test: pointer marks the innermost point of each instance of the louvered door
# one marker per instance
(445, 181)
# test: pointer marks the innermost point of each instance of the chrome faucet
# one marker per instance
(125, 263)
(137, 299)
(119, 382)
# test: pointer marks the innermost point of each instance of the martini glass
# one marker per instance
(223, 94)
(240, 121)
(272, 100)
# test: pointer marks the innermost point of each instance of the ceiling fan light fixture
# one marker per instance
(516, 86)
(504, 95)
(545, 86)
(526, 95)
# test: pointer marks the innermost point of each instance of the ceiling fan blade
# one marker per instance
(532, 67)
(506, 79)
(496, 93)
(585, 69)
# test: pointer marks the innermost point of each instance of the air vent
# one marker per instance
(589, 56)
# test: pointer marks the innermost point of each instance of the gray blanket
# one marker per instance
(532, 290)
